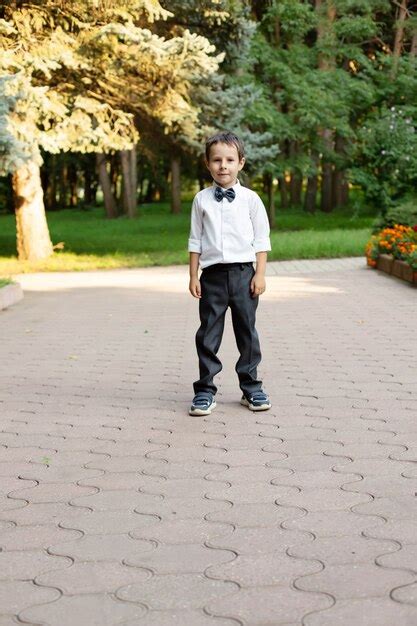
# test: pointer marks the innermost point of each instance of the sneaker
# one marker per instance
(202, 404)
(256, 401)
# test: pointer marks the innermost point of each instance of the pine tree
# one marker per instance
(83, 77)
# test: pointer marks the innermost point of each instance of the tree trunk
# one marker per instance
(50, 193)
(282, 183)
(269, 188)
(108, 197)
(399, 35)
(327, 14)
(114, 176)
(33, 240)
(89, 189)
(326, 175)
(63, 187)
(73, 185)
(310, 198)
(129, 197)
(296, 186)
(296, 177)
(413, 49)
(134, 178)
(339, 183)
(175, 184)
(149, 195)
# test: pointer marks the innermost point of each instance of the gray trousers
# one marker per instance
(224, 285)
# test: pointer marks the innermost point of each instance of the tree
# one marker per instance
(82, 76)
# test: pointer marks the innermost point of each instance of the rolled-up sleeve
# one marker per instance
(196, 230)
(260, 223)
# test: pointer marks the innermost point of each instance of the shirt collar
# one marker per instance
(235, 186)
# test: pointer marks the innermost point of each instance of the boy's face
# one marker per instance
(224, 164)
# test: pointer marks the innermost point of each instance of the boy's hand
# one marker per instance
(195, 287)
(257, 285)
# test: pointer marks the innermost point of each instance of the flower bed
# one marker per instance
(394, 250)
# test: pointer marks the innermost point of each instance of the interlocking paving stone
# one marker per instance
(96, 577)
(251, 493)
(310, 463)
(242, 458)
(9, 484)
(102, 548)
(334, 523)
(364, 612)
(251, 541)
(183, 488)
(403, 531)
(263, 569)
(25, 565)
(16, 595)
(355, 580)
(94, 610)
(386, 486)
(406, 558)
(323, 499)
(406, 594)
(105, 522)
(269, 606)
(185, 558)
(51, 474)
(317, 479)
(35, 537)
(181, 618)
(343, 550)
(181, 591)
(258, 474)
(52, 493)
(175, 508)
(182, 531)
(255, 515)
(395, 507)
(317, 492)
(372, 467)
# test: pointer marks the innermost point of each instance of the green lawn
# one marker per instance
(158, 238)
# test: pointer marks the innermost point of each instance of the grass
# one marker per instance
(157, 237)
(4, 282)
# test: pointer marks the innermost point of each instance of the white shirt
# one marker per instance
(228, 232)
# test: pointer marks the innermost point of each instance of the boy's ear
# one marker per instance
(242, 163)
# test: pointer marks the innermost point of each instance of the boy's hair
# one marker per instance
(225, 137)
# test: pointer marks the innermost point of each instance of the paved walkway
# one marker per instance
(119, 508)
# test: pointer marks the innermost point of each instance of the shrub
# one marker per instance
(405, 214)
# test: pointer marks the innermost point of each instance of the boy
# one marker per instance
(229, 231)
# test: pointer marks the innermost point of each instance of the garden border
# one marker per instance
(400, 269)
(10, 294)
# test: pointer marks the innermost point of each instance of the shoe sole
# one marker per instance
(252, 407)
(202, 411)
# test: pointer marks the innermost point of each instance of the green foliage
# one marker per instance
(404, 213)
(386, 155)
(82, 76)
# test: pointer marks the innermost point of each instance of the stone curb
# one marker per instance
(10, 294)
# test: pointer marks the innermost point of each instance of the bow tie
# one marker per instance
(219, 194)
